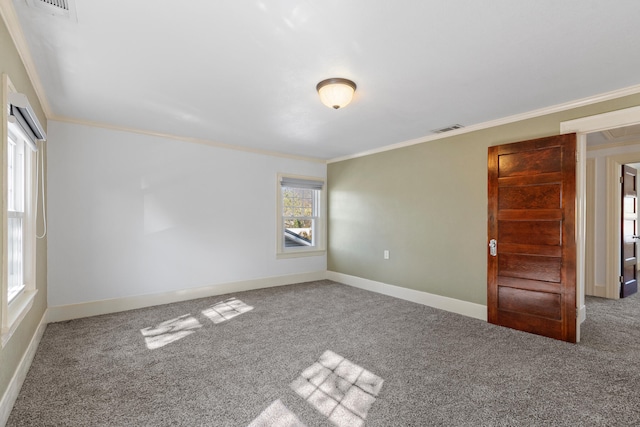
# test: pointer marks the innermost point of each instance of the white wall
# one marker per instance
(132, 214)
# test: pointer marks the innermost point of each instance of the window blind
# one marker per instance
(21, 113)
(301, 183)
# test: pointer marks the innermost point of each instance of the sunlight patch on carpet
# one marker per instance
(277, 414)
(339, 389)
(170, 331)
(226, 310)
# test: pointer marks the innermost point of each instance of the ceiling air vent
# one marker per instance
(62, 4)
(448, 128)
(63, 8)
(623, 132)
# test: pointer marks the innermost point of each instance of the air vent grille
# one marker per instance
(61, 4)
(448, 128)
(60, 8)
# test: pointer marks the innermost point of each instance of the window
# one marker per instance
(21, 134)
(15, 214)
(301, 208)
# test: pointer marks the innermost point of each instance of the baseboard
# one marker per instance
(599, 291)
(470, 309)
(11, 394)
(582, 313)
(94, 308)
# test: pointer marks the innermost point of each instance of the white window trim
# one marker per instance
(320, 227)
(12, 314)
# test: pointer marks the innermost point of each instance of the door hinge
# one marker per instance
(621, 180)
(621, 279)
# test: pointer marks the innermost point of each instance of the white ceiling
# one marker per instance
(614, 136)
(244, 72)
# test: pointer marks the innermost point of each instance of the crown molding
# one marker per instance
(10, 19)
(619, 93)
(192, 140)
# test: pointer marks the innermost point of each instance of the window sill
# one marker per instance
(299, 253)
(18, 309)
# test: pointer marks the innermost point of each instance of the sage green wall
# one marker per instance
(11, 354)
(426, 204)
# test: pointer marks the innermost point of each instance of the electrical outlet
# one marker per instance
(386, 254)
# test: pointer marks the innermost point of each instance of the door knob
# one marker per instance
(493, 247)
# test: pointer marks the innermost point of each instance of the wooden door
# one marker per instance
(629, 266)
(531, 283)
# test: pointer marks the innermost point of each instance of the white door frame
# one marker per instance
(582, 127)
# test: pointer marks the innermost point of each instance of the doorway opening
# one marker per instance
(588, 242)
(611, 223)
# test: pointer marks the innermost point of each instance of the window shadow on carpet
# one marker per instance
(175, 329)
(337, 388)
(170, 331)
(226, 310)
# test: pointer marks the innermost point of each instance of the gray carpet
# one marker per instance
(324, 354)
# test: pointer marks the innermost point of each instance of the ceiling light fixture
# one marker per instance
(336, 92)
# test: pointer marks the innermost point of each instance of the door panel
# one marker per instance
(527, 285)
(531, 197)
(629, 266)
(542, 304)
(542, 233)
(530, 163)
(527, 266)
(531, 282)
(510, 248)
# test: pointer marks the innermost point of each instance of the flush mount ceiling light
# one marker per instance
(336, 92)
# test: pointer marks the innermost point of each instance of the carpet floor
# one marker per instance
(326, 354)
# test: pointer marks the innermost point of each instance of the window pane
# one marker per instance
(299, 208)
(15, 255)
(288, 201)
(15, 214)
(298, 232)
(298, 202)
(297, 223)
(15, 175)
(11, 172)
